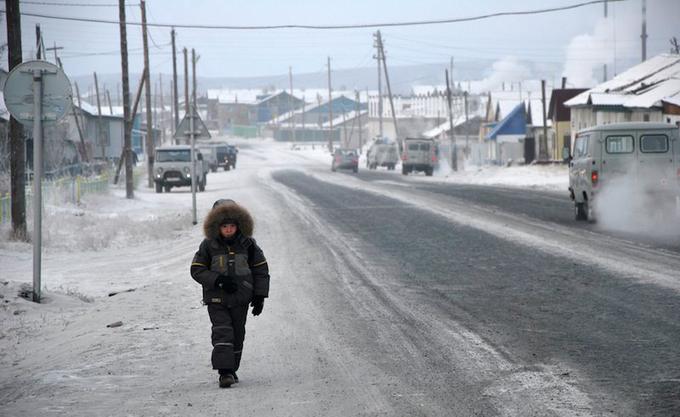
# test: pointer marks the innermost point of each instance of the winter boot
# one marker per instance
(226, 380)
(235, 377)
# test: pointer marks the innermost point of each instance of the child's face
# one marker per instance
(228, 230)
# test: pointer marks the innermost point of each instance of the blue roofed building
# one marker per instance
(506, 140)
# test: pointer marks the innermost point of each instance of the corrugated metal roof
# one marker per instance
(649, 79)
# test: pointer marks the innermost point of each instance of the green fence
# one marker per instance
(64, 190)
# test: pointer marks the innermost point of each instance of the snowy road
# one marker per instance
(390, 296)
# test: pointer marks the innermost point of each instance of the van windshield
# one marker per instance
(175, 155)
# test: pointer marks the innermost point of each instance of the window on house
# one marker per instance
(645, 117)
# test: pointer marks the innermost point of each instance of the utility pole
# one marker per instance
(129, 190)
(304, 103)
(467, 126)
(543, 145)
(358, 114)
(451, 70)
(38, 42)
(192, 125)
(452, 142)
(290, 102)
(174, 82)
(147, 89)
(389, 90)
(644, 30)
(17, 141)
(675, 46)
(186, 82)
(77, 117)
(604, 67)
(55, 49)
(330, 109)
(378, 57)
(108, 99)
(99, 136)
(162, 115)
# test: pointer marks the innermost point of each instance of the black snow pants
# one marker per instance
(228, 333)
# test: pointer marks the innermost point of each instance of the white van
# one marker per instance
(172, 168)
(643, 157)
(382, 153)
(419, 154)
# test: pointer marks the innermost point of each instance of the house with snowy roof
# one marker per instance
(312, 122)
(513, 128)
(649, 91)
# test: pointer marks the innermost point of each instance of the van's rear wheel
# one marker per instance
(579, 212)
(404, 170)
(159, 187)
(589, 212)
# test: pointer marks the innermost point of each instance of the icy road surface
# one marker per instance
(387, 298)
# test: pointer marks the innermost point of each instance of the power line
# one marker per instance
(48, 3)
(324, 27)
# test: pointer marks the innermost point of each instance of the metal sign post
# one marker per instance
(193, 166)
(37, 93)
(37, 182)
(192, 127)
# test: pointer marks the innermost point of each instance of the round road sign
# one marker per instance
(56, 88)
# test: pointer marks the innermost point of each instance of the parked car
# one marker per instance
(382, 153)
(419, 154)
(642, 157)
(345, 159)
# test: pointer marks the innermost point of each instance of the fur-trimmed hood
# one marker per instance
(228, 211)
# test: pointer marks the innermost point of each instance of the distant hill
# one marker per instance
(401, 78)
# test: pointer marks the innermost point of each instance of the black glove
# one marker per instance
(257, 304)
(226, 283)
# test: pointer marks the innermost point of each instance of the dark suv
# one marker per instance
(226, 156)
(345, 159)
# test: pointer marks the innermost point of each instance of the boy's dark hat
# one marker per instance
(222, 201)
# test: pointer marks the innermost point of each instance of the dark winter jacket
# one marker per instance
(249, 271)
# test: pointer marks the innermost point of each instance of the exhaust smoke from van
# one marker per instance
(628, 204)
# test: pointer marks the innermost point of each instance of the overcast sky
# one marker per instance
(543, 38)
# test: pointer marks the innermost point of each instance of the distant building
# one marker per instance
(560, 115)
(312, 123)
(649, 91)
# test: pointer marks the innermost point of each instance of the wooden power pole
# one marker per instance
(543, 145)
(99, 136)
(127, 141)
(149, 143)
(17, 156)
(186, 82)
(174, 82)
(452, 142)
(330, 108)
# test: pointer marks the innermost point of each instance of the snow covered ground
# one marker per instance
(60, 358)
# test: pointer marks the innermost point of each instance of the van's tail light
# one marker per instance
(404, 156)
(434, 158)
(594, 177)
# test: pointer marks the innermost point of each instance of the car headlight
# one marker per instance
(159, 170)
(187, 170)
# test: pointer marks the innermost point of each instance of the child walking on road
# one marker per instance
(233, 271)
